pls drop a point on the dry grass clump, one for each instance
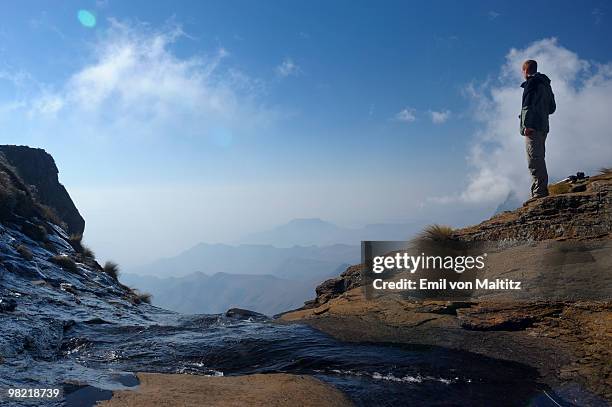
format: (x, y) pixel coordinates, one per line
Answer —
(76, 241)
(87, 252)
(140, 298)
(64, 262)
(24, 252)
(50, 215)
(436, 233)
(112, 269)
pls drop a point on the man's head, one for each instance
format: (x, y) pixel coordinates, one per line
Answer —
(529, 68)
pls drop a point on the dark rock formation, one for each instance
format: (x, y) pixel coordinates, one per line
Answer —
(333, 287)
(244, 314)
(7, 305)
(38, 170)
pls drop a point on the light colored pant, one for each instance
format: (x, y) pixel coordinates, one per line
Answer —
(536, 153)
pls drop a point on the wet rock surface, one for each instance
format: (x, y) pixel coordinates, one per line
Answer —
(245, 314)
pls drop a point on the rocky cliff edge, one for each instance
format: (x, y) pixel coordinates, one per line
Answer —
(37, 169)
(559, 327)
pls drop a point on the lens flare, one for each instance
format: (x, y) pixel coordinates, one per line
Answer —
(86, 18)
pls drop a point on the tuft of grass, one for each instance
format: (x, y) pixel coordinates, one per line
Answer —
(436, 233)
(112, 269)
(24, 252)
(64, 262)
(559, 188)
(75, 241)
(141, 297)
(87, 252)
(50, 215)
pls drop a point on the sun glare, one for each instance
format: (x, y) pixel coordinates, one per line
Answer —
(86, 18)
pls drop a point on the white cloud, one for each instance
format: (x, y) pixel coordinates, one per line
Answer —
(134, 85)
(439, 117)
(579, 139)
(288, 68)
(407, 115)
(493, 15)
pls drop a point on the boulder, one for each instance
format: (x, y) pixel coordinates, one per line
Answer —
(7, 305)
(244, 314)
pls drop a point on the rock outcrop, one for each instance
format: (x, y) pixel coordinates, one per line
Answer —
(349, 279)
(561, 323)
(585, 214)
(37, 169)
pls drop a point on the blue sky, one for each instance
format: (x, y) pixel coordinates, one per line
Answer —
(220, 118)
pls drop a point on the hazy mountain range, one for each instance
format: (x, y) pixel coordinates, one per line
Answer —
(200, 293)
(269, 272)
(298, 262)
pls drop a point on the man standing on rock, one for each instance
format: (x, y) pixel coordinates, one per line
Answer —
(538, 103)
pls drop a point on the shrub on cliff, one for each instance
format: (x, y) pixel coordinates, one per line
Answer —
(112, 269)
(50, 215)
(87, 252)
(139, 297)
(436, 233)
(76, 241)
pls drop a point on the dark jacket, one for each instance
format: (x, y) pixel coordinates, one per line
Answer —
(538, 103)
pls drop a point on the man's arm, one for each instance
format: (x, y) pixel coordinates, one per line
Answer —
(528, 110)
(553, 106)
